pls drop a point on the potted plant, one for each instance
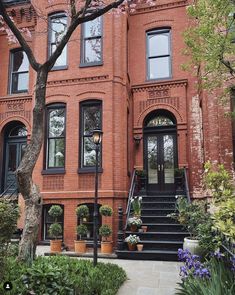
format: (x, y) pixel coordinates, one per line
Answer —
(106, 210)
(132, 240)
(55, 229)
(136, 205)
(80, 245)
(106, 246)
(140, 247)
(105, 231)
(191, 216)
(82, 212)
(134, 223)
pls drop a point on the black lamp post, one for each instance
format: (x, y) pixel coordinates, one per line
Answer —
(97, 137)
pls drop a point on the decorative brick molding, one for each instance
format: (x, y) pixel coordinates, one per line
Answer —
(174, 4)
(144, 104)
(77, 80)
(16, 106)
(157, 86)
(53, 182)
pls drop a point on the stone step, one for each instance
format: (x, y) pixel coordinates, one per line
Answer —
(157, 219)
(172, 227)
(157, 205)
(161, 255)
(156, 212)
(160, 235)
(161, 245)
(160, 198)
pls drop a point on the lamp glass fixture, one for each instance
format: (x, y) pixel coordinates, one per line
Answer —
(97, 136)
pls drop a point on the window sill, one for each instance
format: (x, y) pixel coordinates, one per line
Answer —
(89, 170)
(53, 171)
(159, 79)
(59, 68)
(92, 64)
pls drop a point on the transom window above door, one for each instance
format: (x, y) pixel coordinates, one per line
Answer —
(158, 54)
(159, 121)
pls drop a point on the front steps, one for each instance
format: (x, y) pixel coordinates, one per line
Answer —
(164, 235)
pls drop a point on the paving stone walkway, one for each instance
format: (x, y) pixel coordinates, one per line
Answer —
(144, 277)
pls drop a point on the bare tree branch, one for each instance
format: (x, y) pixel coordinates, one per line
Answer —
(35, 65)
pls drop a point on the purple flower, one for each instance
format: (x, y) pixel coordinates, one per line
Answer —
(183, 255)
(205, 273)
(217, 255)
(183, 271)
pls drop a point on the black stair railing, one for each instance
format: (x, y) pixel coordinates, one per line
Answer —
(186, 185)
(130, 196)
(10, 191)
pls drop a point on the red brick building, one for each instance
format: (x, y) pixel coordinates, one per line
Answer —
(123, 74)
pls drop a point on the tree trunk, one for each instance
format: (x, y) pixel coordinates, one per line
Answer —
(29, 190)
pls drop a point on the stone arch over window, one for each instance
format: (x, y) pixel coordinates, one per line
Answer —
(47, 220)
(89, 222)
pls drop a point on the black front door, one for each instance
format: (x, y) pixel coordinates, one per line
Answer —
(160, 161)
(14, 153)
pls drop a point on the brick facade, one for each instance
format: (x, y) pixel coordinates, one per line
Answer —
(203, 132)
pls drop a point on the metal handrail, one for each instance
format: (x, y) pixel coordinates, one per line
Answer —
(130, 195)
(14, 182)
(186, 185)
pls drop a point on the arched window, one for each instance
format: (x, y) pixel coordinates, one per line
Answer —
(18, 131)
(57, 29)
(48, 220)
(90, 220)
(160, 121)
(158, 54)
(90, 119)
(55, 134)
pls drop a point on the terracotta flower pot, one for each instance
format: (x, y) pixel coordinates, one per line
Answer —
(80, 246)
(140, 247)
(131, 247)
(144, 227)
(107, 247)
(55, 246)
(133, 228)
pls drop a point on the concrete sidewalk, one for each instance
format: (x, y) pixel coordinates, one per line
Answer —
(144, 277)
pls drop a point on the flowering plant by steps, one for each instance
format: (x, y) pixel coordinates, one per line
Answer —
(134, 221)
(132, 239)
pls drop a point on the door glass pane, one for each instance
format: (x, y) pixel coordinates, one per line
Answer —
(169, 165)
(152, 160)
(12, 158)
(23, 147)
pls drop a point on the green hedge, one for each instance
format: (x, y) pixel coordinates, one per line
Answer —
(59, 275)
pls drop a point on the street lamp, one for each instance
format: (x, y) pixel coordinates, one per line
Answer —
(97, 137)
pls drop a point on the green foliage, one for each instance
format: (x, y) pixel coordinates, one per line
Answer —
(82, 211)
(219, 181)
(63, 276)
(55, 211)
(105, 231)
(198, 222)
(141, 173)
(209, 41)
(55, 230)
(136, 205)
(106, 210)
(221, 281)
(82, 230)
(9, 214)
